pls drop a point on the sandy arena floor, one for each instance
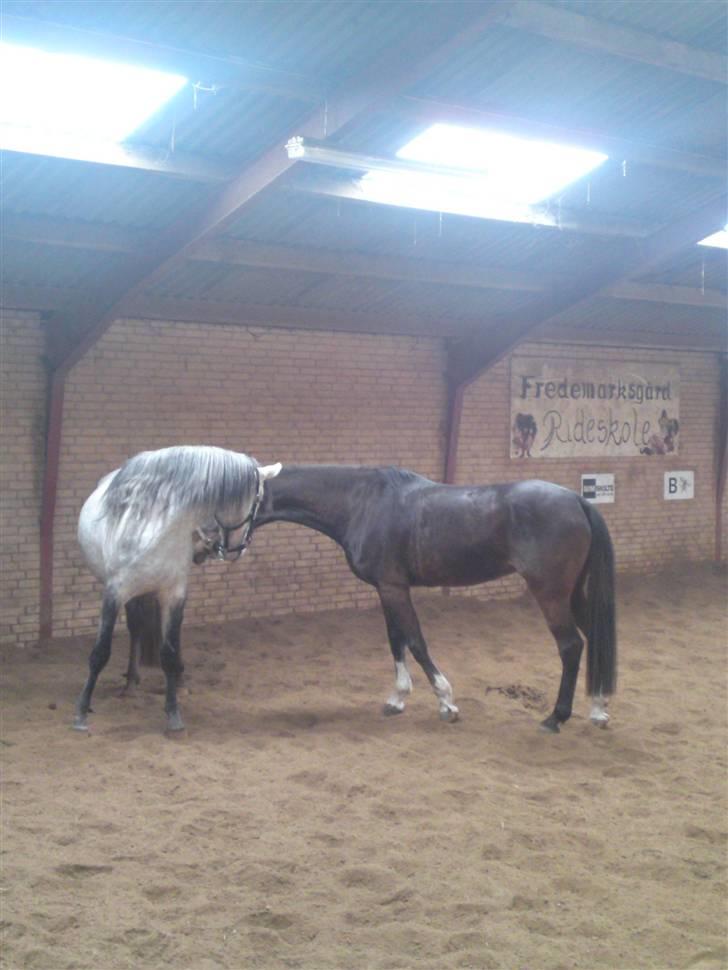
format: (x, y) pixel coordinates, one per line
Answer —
(294, 826)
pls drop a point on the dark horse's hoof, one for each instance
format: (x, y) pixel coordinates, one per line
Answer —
(550, 725)
(175, 725)
(390, 710)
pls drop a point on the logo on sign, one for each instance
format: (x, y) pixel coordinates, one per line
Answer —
(679, 485)
(597, 488)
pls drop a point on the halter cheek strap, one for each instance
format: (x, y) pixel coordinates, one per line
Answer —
(221, 547)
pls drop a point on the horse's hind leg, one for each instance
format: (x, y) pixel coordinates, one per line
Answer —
(98, 659)
(557, 610)
(404, 631)
(171, 656)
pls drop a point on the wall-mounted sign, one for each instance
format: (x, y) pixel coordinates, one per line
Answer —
(679, 485)
(597, 488)
(575, 408)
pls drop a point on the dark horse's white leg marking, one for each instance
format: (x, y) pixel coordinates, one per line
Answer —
(403, 629)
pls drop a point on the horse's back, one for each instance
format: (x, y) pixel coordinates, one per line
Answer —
(463, 535)
(134, 557)
(93, 528)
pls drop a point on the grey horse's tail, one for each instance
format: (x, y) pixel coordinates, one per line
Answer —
(594, 607)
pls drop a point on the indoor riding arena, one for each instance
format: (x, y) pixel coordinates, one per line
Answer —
(444, 285)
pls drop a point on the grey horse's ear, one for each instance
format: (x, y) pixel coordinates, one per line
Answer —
(269, 471)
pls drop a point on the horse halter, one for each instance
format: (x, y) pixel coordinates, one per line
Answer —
(221, 547)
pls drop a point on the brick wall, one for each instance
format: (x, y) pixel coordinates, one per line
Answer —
(648, 532)
(294, 396)
(22, 430)
(298, 396)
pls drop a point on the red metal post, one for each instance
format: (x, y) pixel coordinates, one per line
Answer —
(721, 454)
(456, 393)
(56, 388)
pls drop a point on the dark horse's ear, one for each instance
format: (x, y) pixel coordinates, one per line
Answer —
(269, 471)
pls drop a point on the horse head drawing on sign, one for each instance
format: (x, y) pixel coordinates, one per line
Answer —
(144, 525)
(664, 441)
(524, 434)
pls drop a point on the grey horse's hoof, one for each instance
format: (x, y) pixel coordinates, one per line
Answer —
(449, 714)
(79, 724)
(391, 710)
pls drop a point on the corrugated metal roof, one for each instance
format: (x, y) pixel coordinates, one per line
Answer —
(700, 267)
(514, 71)
(96, 193)
(702, 24)
(330, 40)
(233, 125)
(38, 265)
(323, 39)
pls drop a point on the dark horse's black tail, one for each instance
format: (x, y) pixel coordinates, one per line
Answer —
(594, 607)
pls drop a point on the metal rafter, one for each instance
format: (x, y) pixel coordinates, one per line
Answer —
(227, 251)
(503, 332)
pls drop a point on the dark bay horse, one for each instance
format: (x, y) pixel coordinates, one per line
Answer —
(400, 530)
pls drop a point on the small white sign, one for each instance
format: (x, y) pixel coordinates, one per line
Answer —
(597, 488)
(679, 485)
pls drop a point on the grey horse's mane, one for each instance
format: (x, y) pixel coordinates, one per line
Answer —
(183, 477)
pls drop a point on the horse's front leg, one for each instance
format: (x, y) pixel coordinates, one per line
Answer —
(98, 659)
(135, 625)
(403, 629)
(172, 607)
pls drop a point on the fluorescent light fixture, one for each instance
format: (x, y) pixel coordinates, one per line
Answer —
(467, 171)
(74, 95)
(519, 170)
(719, 240)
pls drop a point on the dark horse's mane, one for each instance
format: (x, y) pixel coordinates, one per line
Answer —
(181, 477)
(401, 476)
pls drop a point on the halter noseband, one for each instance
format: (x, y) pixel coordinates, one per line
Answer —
(221, 547)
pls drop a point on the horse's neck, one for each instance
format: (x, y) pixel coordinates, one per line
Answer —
(316, 496)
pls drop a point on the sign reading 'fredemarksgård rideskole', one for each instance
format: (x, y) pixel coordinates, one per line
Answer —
(574, 409)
